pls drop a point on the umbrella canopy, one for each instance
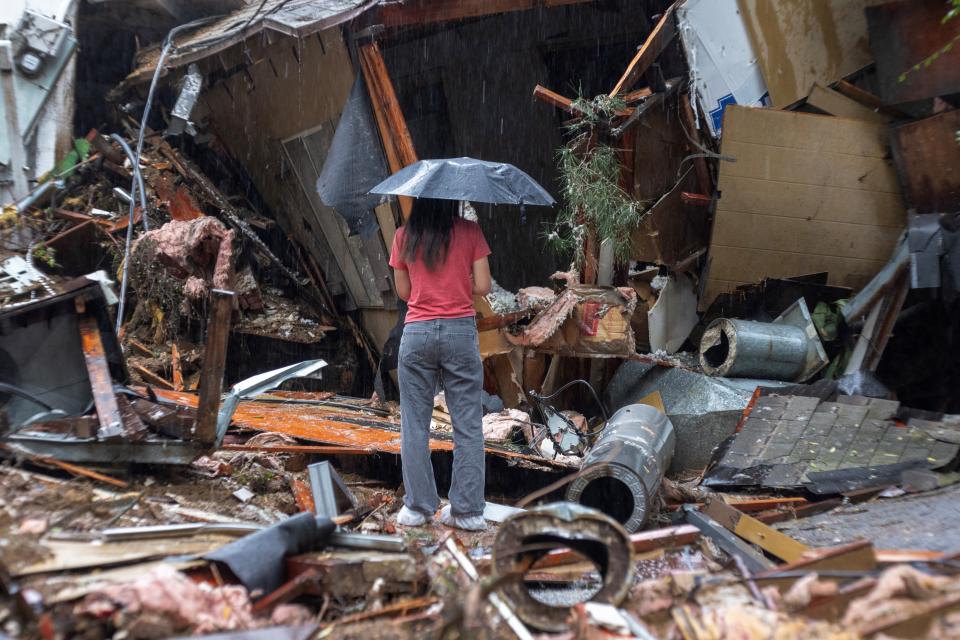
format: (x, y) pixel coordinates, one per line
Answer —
(465, 179)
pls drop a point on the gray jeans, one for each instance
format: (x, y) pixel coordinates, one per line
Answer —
(429, 350)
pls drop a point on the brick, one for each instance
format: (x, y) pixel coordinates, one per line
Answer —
(859, 401)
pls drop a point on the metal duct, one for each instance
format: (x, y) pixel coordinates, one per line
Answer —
(788, 348)
(743, 348)
(621, 474)
(526, 537)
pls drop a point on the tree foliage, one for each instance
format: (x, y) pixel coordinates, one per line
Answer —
(590, 183)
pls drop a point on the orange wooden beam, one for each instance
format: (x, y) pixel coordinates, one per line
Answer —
(656, 42)
(397, 143)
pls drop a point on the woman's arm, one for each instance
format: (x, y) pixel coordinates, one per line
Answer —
(481, 277)
(402, 279)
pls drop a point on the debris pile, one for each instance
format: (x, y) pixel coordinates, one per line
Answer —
(730, 411)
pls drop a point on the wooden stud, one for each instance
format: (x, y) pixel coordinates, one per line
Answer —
(397, 142)
(214, 360)
(101, 382)
(151, 378)
(656, 42)
(177, 367)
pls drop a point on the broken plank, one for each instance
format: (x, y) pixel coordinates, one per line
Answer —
(150, 377)
(856, 556)
(302, 495)
(388, 227)
(74, 469)
(177, 367)
(867, 99)
(914, 48)
(752, 559)
(337, 426)
(927, 158)
(397, 142)
(837, 104)
(101, 382)
(752, 530)
(143, 349)
(655, 44)
(214, 361)
(554, 99)
(499, 321)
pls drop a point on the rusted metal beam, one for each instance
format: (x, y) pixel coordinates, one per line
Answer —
(655, 44)
(214, 361)
(394, 134)
(101, 382)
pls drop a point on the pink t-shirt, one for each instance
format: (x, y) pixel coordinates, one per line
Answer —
(447, 291)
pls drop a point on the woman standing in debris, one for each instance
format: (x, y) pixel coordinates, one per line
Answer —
(439, 263)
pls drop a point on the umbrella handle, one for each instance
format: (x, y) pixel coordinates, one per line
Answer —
(523, 212)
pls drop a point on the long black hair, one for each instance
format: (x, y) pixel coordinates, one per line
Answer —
(427, 231)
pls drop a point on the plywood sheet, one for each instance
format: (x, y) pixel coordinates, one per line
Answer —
(802, 42)
(928, 159)
(837, 104)
(806, 193)
(903, 34)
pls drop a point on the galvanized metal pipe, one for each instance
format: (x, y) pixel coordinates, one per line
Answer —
(622, 473)
(748, 349)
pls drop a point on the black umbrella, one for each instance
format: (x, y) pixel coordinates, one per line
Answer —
(466, 179)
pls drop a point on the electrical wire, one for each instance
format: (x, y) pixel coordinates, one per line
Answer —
(596, 398)
(135, 189)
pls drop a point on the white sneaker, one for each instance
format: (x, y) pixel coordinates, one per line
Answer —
(410, 518)
(471, 523)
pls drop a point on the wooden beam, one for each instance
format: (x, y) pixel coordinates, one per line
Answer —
(388, 226)
(419, 12)
(554, 99)
(152, 378)
(101, 383)
(752, 530)
(868, 99)
(177, 367)
(656, 42)
(74, 469)
(564, 103)
(214, 360)
(394, 134)
(837, 104)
